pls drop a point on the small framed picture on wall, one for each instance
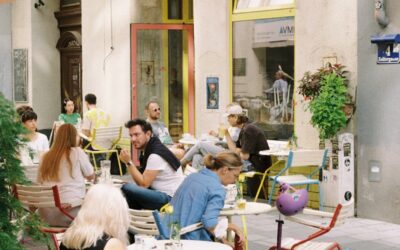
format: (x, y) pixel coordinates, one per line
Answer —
(212, 83)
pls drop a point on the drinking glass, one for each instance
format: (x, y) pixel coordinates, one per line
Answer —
(175, 230)
(105, 170)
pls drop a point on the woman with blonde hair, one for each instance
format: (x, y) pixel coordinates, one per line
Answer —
(65, 165)
(102, 222)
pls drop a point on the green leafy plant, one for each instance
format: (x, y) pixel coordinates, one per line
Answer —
(328, 96)
(13, 218)
(310, 84)
(327, 108)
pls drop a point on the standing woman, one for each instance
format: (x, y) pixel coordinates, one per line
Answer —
(70, 116)
(65, 165)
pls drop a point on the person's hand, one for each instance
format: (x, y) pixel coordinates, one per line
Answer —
(238, 233)
(180, 145)
(224, 131)
(66, 206)
(213, 133)
(125, 156)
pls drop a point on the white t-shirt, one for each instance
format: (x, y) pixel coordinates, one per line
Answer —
(40, 144)
(234, 133)
(167, 180)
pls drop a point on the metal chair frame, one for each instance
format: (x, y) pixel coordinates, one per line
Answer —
(40, 196)
(104, 141)
(301, 158)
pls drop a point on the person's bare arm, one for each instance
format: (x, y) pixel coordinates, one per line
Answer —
(86, 132)
(143, 180)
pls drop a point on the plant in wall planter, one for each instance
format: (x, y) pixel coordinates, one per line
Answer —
(327, 93)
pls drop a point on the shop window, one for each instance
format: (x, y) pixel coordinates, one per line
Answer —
(261, 48)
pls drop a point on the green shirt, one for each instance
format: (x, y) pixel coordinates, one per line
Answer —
(71, 119)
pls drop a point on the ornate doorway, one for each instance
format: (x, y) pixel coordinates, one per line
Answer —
(70, 48)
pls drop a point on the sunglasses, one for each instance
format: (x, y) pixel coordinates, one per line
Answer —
(157, 109)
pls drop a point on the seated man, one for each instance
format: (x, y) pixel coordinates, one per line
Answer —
(251, 141)
(201, 198)
(198, 151)
(153, 115)
(161, 169)
(94, 117)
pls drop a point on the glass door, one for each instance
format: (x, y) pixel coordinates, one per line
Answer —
(162, 70)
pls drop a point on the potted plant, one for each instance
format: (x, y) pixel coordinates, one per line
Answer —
(327, 93)
(13, 218)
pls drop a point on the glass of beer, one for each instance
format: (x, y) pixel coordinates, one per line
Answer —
(221, 131)
(241, 204)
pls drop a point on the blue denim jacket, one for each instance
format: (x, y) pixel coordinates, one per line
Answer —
(200, 198)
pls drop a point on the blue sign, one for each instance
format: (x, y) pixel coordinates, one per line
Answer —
(388, 48)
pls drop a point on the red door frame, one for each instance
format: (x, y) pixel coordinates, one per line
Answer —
(191, 96)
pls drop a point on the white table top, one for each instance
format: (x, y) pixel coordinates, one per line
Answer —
(251, 208)
(188, 141)
(275, 152)
(193, 141)
(190, 245)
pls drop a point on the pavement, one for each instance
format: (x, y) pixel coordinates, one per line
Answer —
(354, 234)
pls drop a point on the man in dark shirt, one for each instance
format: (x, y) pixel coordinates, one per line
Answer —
(251, 141)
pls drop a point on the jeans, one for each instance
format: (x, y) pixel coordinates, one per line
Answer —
(198, 151)
(144, 198)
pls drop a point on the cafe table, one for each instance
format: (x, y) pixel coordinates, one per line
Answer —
(250, 208)
(187, 245)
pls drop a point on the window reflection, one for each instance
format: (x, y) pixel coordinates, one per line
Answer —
(263, 61)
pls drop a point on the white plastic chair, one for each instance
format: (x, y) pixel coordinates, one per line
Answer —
(142, 222)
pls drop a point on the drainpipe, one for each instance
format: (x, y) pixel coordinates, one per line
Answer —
(380, 13)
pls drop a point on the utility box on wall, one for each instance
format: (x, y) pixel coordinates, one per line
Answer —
(338, 178)
(388, 48)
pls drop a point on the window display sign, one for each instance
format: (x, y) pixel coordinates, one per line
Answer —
(273, 30)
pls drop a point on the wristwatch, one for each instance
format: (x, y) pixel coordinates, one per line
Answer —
(129, 163)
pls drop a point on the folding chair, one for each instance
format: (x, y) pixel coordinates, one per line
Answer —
(142, 222)
(301, 158)
(104, 140)
(342, 212)
(38, 196)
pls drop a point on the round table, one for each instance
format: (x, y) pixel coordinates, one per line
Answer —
(190, 245)
(251, 208)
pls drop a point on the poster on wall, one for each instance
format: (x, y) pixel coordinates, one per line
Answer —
(212, 92)
(20, 57)
(147, 72)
